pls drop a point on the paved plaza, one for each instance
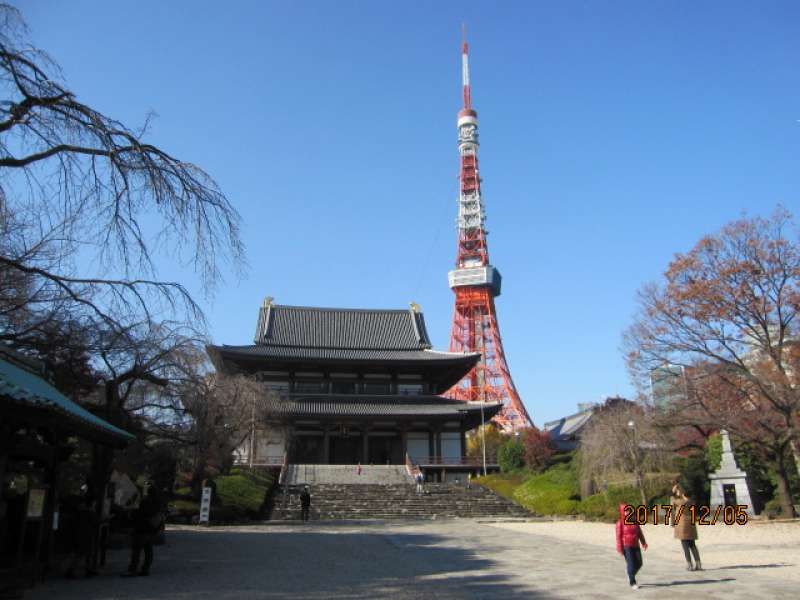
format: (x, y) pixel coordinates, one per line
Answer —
(430, 559)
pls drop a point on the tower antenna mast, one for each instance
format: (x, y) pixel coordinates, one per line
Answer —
(476, 283)
(465, 85)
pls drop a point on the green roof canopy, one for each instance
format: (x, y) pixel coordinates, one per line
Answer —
(20, 386)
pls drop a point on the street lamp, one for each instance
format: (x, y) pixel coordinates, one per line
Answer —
(635, 454)
(483, 438)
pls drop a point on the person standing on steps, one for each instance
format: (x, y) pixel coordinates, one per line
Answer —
(305, 503)
(420, 478)
(628, 538)
(685, 529)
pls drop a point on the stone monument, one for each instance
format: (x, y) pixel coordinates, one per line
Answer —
(729, 483)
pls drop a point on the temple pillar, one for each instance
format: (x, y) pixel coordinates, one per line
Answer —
(438, 437)
(431, 444)
(463, 443)
(365, 445)
(404, 442)
(326, 444)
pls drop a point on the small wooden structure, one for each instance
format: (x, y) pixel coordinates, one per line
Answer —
(36, 421)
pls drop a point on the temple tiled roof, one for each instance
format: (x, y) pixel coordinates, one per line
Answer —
(348, 354)
(341, 328)
(315, 339)
(343, 405)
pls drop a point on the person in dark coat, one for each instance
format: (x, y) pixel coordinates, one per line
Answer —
(147, 521)
(628, 539)
(305, 503)
(84, 535)
(685, 530)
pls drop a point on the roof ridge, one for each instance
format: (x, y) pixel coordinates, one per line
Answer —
(340, 309)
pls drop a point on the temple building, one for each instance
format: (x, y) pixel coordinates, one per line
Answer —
(348, 386)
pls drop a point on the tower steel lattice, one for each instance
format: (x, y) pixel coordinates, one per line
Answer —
(476, 283)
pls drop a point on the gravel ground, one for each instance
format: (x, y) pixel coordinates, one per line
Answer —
(759, 546)
(404, 560)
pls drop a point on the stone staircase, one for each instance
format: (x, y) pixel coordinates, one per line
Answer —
(314, 475)
(395, 501)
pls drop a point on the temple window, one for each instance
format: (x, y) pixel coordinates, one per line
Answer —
(343, 387)
(409, 389)
(310, 387)
(280, 387)
(375, 387)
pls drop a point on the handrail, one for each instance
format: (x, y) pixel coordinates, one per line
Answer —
(284, 466)
(411, 468)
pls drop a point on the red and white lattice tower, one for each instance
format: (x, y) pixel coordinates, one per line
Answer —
(476, 283)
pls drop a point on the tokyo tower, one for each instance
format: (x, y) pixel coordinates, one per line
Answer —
(476, 283)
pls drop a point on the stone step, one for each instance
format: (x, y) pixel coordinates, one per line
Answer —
(372, 501)
(311, 474)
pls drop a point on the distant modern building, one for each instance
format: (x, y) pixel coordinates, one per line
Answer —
(354, 386)
(668, 386)
(565, 432)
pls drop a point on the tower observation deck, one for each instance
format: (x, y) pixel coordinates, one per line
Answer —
(476, 283)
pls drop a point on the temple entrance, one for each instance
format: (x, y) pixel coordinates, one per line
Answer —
(307, 449)
(345, 450)
(385, 450)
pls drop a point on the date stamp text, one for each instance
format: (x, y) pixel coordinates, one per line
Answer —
(668, 514)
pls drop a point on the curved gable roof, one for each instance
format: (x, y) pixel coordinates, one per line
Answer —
(341, 328)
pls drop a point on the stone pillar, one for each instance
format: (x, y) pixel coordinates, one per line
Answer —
(729, 475)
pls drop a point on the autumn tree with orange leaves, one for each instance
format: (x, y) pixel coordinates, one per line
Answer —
(726, 312)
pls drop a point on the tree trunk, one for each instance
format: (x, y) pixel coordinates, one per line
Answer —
(795, 454)
(198, 475)
(784, 491)
(640, 485)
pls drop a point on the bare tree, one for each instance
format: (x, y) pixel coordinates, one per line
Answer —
(223, 409)
(725, 312)
(79, 187)
(622, 439)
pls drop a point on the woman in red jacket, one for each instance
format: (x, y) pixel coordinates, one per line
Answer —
(628, 538)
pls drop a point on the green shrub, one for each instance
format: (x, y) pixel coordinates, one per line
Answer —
(511, 456)
(566, 507)
(594, 506)
(694, 470)
(623, 494)
(185, 506)
(550, 493)
(241, 494)
(503, 484)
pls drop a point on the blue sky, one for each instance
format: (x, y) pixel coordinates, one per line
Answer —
(613, 135)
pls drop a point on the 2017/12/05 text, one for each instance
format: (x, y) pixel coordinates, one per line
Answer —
(735, 514)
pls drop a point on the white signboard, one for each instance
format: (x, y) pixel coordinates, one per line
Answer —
(205, 505)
